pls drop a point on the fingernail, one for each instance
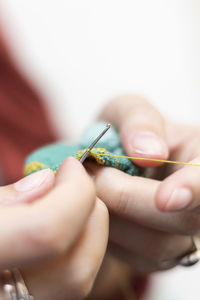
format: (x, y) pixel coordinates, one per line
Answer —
(32, 181)
(147, 142)
(180, 198)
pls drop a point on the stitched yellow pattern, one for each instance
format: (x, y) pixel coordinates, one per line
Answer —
(117, 162)
(95, 153)
(36, 165)
(33, 166)
(53, 155)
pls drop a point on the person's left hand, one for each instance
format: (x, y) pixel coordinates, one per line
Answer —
(55, 230)
(141, 234)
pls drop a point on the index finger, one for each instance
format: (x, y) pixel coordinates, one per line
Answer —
(133, 198)
(49, 226)
(141, 126)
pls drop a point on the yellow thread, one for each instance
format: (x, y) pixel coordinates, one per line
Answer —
(153, 159)
(33, 166)
(95, 155)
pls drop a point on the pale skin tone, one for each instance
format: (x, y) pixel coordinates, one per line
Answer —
(54, 230)
(147, 230)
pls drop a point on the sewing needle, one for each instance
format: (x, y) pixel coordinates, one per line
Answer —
(85, 155)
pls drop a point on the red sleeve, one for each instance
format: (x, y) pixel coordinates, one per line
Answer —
(24, 125)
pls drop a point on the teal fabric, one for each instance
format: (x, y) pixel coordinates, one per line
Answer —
(110, 141)
(51, 156)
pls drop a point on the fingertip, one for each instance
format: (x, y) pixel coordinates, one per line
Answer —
(148, 143)
(69, 162)
(172, 197)
(69, 168)
(74, 173)
(145, 145)
(28, 189)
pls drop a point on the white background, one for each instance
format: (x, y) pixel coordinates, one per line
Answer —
(81, 53)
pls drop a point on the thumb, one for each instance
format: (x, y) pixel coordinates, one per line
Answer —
(28, 188)
(141, 127)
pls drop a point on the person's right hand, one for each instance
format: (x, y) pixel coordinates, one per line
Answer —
(55, 230)
(151, 219)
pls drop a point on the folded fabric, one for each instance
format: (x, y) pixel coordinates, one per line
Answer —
(52, 156)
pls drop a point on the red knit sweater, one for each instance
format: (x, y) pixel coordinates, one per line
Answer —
(24, 124)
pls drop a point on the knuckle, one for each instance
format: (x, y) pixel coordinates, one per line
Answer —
(122, 203)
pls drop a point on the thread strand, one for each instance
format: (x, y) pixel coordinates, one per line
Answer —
(153, 159)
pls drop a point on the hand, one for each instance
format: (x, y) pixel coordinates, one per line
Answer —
(151, 219)
(55, 231)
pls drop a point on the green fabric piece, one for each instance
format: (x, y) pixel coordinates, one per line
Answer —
(110, 141)
(52, 156)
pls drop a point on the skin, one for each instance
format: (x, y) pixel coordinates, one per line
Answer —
(35, 235)
(146, 231)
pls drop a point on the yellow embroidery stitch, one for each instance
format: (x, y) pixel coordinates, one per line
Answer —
(33, 166)
(117, 159)
(95, 155)
(154, 159)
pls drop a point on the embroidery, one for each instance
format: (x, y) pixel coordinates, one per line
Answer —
(109, 152)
